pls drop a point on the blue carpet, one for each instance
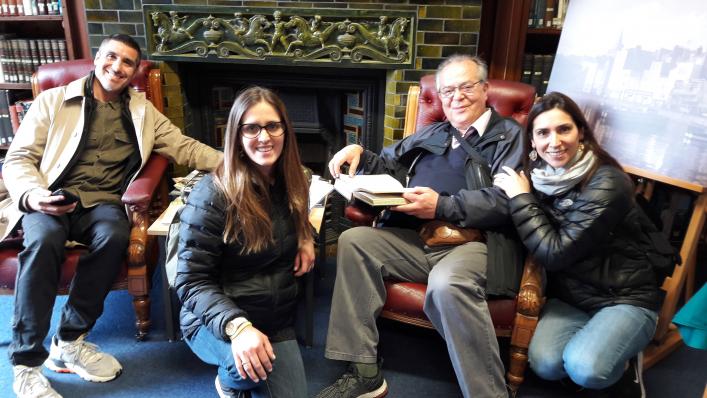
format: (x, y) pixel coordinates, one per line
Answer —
(416, 361)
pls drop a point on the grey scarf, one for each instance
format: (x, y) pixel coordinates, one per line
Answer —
(553, 182)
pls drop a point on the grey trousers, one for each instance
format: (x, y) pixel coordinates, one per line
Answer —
(455, 302)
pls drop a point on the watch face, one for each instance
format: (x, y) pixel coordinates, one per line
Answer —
(230, 328)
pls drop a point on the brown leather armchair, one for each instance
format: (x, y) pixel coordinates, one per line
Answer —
(512, 317)
(149, 191)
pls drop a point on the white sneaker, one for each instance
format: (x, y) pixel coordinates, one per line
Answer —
(29, 382)
(82, 358)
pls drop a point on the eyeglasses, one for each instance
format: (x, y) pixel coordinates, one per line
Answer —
(253, 130)
(464, 88)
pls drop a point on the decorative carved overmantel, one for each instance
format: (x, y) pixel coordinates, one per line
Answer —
(281, 36)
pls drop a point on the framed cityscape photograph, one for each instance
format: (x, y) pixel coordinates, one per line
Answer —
(639, 71)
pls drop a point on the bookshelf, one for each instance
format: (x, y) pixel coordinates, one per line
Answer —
(27, 41)
(506, 37)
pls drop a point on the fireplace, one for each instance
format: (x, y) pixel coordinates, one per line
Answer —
(329, 108)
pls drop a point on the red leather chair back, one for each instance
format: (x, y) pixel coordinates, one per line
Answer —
(62, 73)
(510, 99)
(50, 76)
(405, 300)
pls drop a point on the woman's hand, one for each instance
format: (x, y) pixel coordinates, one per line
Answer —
(253, 354)
(512, 183)
(304, 261)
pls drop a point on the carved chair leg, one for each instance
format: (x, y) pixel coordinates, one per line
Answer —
(142, 313)
(516, 371)
(520, 340)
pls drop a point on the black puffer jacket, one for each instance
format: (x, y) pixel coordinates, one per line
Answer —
(483, 207)
(216, 283)
(592, 243)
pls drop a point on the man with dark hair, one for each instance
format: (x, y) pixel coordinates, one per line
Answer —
(439, 162)
(91, 138)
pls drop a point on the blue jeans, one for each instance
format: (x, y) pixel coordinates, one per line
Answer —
(590, 348)
(287, 379)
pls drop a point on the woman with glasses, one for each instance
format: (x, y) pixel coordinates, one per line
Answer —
(574, 209)
(244, 241)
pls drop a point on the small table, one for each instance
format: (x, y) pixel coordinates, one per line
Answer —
(161, 227)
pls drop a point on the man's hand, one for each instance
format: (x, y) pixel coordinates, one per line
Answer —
(304, 261)
(41, 200)
(350, 154)
(253, 354)
(512, 183)
(423, 203)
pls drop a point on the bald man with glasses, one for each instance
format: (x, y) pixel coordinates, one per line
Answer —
(449, 166)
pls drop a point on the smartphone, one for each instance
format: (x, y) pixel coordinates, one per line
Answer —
(69, 197)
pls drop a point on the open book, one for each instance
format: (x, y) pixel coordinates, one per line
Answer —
(374, 189)
(318, 190)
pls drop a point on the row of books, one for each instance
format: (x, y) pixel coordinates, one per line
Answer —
(10, 8)
(547, 13)
(20, 58)
(12, 111)
(536, 71)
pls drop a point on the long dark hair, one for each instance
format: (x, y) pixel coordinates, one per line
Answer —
(245, 187)
(555, 100)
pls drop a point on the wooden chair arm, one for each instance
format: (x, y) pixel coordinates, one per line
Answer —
(411, 108)
(142, 189)
(148, 186)
(153, 91)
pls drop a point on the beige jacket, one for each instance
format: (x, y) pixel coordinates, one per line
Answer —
(50, 134)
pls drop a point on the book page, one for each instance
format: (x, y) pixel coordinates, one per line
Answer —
(373, 183)
(318, 189)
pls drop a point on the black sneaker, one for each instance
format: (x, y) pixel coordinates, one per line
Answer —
(630, 385)
(353, 385)
(224, 392)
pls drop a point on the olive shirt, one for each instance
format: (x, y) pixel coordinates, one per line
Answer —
(99, 173)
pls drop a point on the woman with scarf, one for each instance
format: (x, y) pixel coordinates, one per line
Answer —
(578, 217)
(244, 241)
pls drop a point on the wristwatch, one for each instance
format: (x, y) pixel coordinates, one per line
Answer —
(232, 326)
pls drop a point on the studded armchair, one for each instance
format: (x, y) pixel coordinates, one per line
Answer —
(148, 191)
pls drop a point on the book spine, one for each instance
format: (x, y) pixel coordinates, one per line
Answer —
(537, 78)
(547, 69)
(527, 71)
(4, 78)
(549, 12)
(54, 45)
(53, 6)
(5, 123)
(34, 54)
(12, 61)
(531, 14)
(47, 56)
(14, 118)
(4, 9)
(63, 56)
(26, 60)
(12, 5)
(540, 14)
(27, 5)
(22, 108)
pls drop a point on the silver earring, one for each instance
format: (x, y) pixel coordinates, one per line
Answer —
(533, 155)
